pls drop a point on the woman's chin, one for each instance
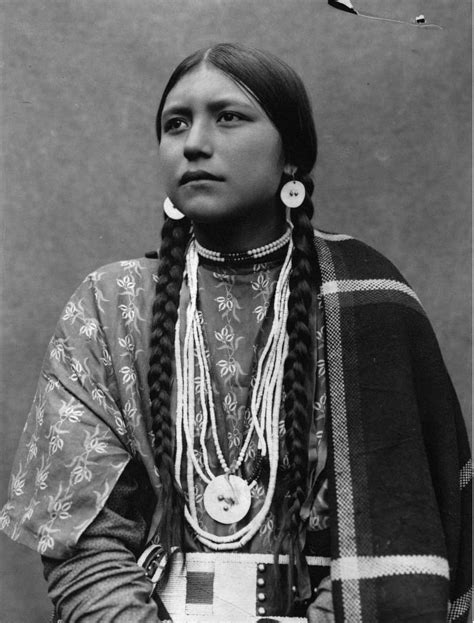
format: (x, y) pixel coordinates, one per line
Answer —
(206, 212)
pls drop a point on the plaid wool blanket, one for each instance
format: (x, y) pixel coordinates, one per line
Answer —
(400, 477)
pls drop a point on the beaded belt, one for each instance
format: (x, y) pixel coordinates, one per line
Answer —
(225, 588)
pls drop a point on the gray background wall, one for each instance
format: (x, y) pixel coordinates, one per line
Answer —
(80, 186)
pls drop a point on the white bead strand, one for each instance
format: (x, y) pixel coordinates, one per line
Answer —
(241, 256)
(265, 402)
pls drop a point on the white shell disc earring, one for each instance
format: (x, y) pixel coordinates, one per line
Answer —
(292, 194)
(171, 211)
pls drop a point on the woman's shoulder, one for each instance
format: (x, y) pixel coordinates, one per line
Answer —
(133, 277)
(137, 269)
(359, 274)
(120, 289)
(348, 258)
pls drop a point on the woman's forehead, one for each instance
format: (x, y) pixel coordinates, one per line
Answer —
(206, 83)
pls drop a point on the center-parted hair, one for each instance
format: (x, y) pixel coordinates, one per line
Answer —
(282, 95)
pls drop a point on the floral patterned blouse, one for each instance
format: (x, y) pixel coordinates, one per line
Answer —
(91, 413)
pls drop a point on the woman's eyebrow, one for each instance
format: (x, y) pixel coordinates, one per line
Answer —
(213, 105)
(229, 102)
(177, 109)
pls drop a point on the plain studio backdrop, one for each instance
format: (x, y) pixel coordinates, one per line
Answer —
(80, 179)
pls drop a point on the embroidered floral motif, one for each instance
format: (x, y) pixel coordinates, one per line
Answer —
(18, 481)
(4, 515)
(42, 473)
(80, 465)
(128, 344)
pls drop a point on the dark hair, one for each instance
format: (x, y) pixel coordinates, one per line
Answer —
(283, 97)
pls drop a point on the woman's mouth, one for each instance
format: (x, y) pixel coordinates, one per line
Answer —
(198, 176)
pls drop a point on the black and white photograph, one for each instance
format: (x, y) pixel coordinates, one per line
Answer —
(236, 279)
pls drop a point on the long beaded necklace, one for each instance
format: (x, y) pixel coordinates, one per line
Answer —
(227, 497)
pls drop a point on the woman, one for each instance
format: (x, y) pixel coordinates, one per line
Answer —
(268, 399)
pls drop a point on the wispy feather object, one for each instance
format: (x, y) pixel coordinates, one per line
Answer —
(348, 7)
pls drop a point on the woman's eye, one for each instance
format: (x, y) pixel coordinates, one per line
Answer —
(174, 125)
(229, 117)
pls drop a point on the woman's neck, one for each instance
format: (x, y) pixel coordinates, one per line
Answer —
(234, 237)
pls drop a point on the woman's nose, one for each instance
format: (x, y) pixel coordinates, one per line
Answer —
(198, 142)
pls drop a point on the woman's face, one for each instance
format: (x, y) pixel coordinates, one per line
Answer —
(222, 157)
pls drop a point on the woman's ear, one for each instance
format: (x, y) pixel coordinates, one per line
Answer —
(289, 169)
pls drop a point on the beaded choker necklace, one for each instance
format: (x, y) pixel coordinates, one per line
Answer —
(227, 497)
(242, 256)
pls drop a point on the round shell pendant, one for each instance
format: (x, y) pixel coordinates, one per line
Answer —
(227, 499)
(292, 194)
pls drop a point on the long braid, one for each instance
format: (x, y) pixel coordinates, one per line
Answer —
(175, 236)
(297, 403)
